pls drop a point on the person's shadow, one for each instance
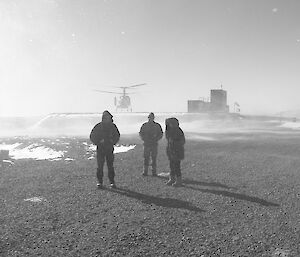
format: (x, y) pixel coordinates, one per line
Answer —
(207, 184)
(164, 202)
(189, 183)
(239, 196)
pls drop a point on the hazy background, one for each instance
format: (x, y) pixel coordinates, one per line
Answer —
(54, 52)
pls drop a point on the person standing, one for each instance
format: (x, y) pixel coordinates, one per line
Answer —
(175, 150)
(105, 135)
(150, 132)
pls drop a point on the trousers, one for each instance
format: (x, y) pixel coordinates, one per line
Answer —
(108, 156)
(150, 150)
(175, 168)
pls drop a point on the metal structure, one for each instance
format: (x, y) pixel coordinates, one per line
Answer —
(124, 102)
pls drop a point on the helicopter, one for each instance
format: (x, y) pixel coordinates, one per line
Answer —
(123, 103)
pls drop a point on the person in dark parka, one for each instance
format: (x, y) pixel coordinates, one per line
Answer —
(105, 135)
(175, 150)
(150, 132)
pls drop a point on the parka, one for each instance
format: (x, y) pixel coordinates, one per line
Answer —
(175, 138)
(105, 135)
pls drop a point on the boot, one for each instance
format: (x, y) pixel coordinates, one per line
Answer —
(145, 172)
(113, 185)
(178, 182)
(171, 180)
(100, 185)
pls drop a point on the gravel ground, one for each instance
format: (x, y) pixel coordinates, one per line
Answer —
(240, 198)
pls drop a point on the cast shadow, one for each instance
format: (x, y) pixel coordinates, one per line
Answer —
(207, 184)
(188, 182)
(201, 183)
(240, 197)
(163, 202)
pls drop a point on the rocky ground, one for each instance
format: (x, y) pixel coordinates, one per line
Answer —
(240, 198)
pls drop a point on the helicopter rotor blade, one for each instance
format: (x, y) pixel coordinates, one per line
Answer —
(137, 85)
(103, 91)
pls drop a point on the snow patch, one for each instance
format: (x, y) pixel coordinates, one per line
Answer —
(33, 151)
(123, 148)
(35, 199)
(163, 174)
(8, 161)
(117, 148)
(9, 147)
(39, 152)
(69, 159)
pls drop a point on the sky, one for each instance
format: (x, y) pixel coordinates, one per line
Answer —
(54, 53)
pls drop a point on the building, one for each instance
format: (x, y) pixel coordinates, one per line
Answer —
(195, 106)
(218, 100)
(217, 103)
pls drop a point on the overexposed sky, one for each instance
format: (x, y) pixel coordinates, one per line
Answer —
(53, 53)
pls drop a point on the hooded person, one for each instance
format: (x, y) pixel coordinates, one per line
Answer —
(175, 150)
(105, 135)
(150, 132)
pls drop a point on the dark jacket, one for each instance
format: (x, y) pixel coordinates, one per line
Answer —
(151, 132)
(176, 140)
(105, 135)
